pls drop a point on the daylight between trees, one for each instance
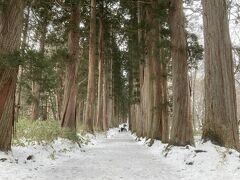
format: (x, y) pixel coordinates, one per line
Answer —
(95, 64)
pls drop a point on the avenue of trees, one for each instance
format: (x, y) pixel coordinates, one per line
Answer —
(94, 64)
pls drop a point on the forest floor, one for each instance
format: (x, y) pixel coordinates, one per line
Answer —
(115, 156)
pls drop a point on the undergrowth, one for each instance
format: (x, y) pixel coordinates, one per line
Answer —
(44, 132)
(197, 132)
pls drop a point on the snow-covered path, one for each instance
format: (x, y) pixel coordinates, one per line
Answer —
(118, 157)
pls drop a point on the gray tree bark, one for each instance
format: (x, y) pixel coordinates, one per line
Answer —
(69, 104)
(220, 124)
(181, 130)
(100, 74)
(91, 70)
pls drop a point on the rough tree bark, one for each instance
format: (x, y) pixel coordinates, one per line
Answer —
(110, 115)
(157, 122)
(193, 82)
(59, 93)
(11, 20)
(181, 130)
(134, 61)
(147, 72)
(130, 90)
(105, 97)
(35, 100)
(220, 124)
(165, 118)
(91, 70)
(100, 74)
(70, 84)
(140, 120)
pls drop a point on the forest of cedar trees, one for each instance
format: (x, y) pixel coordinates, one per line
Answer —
(90, 65)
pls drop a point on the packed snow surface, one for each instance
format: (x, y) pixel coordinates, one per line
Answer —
(117, 155)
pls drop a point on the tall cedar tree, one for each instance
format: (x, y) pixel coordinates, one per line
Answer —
(91, 70)
(101, 68)
(182, 130)
(11, 20)
(220, 124)
(70, 86)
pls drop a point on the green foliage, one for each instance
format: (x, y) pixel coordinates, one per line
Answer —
(163, 10)
(34, 64)
(197, 133)
(41, 69)
(13, 59)
(59, 57)
(43, 132)
(195, 51)
(52, 156)
(71, 2)
(37, 131)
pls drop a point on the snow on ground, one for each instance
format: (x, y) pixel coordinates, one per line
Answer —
(110, 156)
(203, 162)
(116, 155)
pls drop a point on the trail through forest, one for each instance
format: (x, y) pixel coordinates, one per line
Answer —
(117, 157)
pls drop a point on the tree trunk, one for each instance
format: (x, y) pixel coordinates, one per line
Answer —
(100, 74)
(10, 38)
(59, 94)
(181, 130)
(193, 79)
(134, 62)
(220, 124)
(45, 107)
(151, 87)
(18, 93)
(139, 117)
(105, 97)
(70, 84)
(147, 85)
(165, 119)
(35, 100)
(109, 89)
(53, 107)
(130, 91)
(20, 71)
(58, 99)
(157, 123)
(91, 70)
(80, 110)
(35, 84)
